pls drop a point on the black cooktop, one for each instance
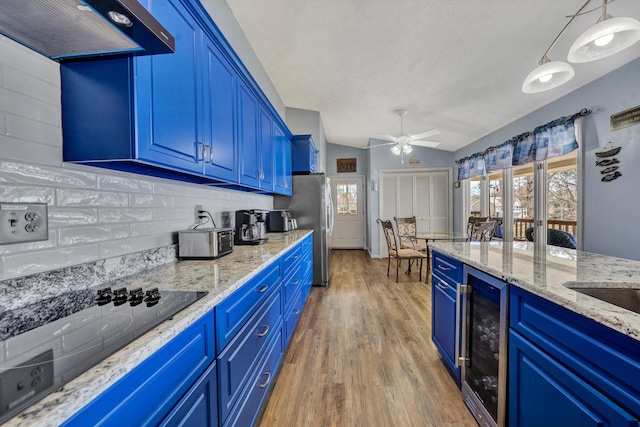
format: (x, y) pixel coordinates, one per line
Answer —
(46, 344)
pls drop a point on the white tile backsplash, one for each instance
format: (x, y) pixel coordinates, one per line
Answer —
(94, 213)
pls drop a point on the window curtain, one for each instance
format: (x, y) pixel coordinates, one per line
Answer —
(554, 139)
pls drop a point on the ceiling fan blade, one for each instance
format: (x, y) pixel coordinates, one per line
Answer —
(388, 138)
(429, 144)
(425, 134)
(378, 145)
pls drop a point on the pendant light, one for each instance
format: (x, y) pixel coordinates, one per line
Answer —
(608, 36)
(547, 75)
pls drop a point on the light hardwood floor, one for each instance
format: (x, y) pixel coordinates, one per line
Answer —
(362, 355)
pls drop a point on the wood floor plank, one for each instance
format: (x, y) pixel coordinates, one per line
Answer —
(362, 355)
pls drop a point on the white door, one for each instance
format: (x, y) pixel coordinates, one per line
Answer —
(348, 195)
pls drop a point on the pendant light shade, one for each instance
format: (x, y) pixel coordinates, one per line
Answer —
(396, 149)
(547, 75)
(608, 36)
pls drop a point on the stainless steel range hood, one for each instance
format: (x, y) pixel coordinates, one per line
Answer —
(63, 29)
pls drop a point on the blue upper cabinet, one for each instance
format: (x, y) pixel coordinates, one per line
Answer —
(196, 115)
(304, 154)
(169, 95)
(248, 145)
(282, 166)
(220, 116)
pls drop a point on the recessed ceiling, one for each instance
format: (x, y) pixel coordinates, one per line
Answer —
(456, 65)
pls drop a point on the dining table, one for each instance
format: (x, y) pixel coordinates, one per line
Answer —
(430, 236)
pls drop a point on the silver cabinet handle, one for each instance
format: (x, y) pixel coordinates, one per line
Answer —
(443, 268)
(263, 289)
(295, 282)
(264, 384)
(441, 286)
(209, 150)
(456, 355)
(296, 312)
(266, 331)
(201, 151)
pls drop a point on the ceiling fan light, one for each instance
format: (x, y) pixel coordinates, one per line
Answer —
(396, 150)
(548, 75)
(407, 149)
(608, 36)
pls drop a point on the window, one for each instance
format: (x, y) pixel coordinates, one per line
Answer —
(523, 200)
(562, 193)
(347, 198)
(475, 205)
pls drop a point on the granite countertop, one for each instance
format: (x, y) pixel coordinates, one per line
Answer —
(220, 277)
(545, 270)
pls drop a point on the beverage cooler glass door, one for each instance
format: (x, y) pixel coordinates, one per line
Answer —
(484, 366)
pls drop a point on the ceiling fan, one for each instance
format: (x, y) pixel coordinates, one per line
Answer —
(403, 144)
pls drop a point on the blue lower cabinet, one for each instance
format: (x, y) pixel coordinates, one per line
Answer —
(147, 394)
(546, 393)
(246, 412)
(292, 315)
(443, 321)
(239, 358)
(200, 406)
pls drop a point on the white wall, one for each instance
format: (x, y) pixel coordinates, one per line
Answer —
(610, 209)
(93, 213)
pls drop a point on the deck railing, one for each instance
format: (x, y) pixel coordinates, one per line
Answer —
(521, 224)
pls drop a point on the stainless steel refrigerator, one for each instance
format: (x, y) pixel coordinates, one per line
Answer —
(312, 207)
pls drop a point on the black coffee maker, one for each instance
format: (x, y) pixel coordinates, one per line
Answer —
(250, 227)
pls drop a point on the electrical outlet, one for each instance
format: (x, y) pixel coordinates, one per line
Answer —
(197, 214)
(23, 222)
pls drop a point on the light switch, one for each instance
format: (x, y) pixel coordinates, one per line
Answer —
(23, 222)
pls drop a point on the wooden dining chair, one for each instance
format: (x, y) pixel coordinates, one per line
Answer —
(397, 252)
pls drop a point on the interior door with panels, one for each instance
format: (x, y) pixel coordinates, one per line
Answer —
(424, 194)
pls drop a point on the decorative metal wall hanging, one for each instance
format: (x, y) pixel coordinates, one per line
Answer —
(606, 161)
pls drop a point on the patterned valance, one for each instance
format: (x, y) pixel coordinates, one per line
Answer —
(554, 139)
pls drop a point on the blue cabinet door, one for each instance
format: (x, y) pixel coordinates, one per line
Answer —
(542, 392)
(443, 322)
(266, 151)
(248, 137)
(168, 94)
(219, 116)
(199, 407)
(282, 148)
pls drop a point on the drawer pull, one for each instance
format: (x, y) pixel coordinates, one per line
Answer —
(264, 384)
(266, 331)
(443, 268)
(296, 312)
(264, 288)
(295, 282)
(441, 286)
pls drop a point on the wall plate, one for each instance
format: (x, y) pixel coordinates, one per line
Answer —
(23, 222)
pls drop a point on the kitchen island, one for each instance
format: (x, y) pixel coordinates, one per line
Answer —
(564, 357)
(550, 272)
(220, 278)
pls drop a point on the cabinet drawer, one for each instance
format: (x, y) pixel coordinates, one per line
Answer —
(292, 316)
(447, 267)
(606, 359)
(248, 407)
(238, 359)
(146, 395)
(199, 407)
(446, 284)
(291, 258)
(291, 285)
(234, 311)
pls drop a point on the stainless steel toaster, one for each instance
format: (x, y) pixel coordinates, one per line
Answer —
(205, 243)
